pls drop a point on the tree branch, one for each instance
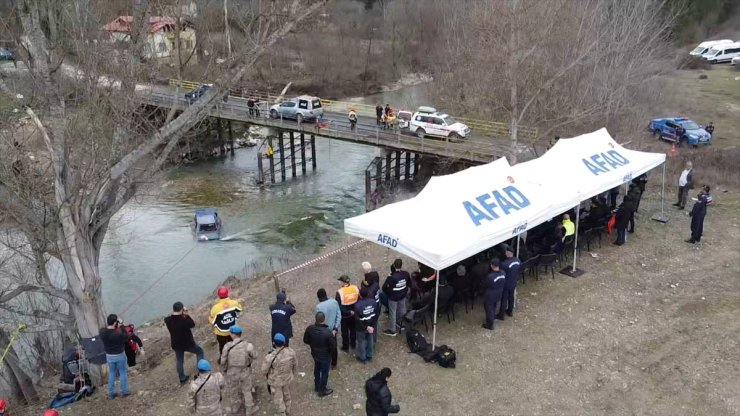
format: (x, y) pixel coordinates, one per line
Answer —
(6, 296)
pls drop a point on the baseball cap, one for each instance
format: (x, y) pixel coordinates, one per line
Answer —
(344, 278)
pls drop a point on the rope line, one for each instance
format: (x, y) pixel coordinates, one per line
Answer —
(322, 257)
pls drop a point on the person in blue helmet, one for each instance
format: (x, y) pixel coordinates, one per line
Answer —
(204, 397)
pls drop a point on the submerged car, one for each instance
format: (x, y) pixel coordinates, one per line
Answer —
(207, 224)
(667, 128)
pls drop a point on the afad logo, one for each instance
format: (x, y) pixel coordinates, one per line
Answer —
(510, 179)
(387, 240)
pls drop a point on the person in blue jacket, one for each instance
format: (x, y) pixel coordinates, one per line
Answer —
(280, 312)
(493, 288)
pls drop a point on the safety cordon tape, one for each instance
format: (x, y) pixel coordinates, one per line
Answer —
(322, 257)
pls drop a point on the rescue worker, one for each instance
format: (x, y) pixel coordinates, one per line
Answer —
(493, 286)
(279, 367)
(623, 214)
(372, 283)
(366, 317)
(396, 288)
(388, 111)
(236, 362)
(205, 391)
(697, 215)
(333, 315)
(280, 312)
(47, 412)
(568, 226)
(510, 266)
(352, 119)
(347, 296)
(223, 315)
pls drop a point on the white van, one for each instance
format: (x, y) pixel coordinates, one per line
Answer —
(704, 46)
(722, 53)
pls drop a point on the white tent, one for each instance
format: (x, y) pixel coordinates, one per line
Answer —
(456, 216)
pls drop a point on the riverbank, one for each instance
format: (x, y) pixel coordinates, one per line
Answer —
(651, 328)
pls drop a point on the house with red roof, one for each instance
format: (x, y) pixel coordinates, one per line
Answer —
(161, 35)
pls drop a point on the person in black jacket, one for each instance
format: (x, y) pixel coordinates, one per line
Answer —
(493, 287)
(133, 346)
(180, 325)
(280, 312)
(366, 317)
(510, 267)
(697, 215)
(396, 288)
(623, 215)
(114, 339)
(321, 340)
(379, 396)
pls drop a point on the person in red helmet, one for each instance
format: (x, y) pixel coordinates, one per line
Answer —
(3, 406)
(50, 412)
(223, 316)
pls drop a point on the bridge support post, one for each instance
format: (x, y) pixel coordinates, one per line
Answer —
(368, 190)
(231, 138)
(416, 165)
(272, 159)
(313, 152)
(388, 164)
(260, 171)
(292, 154)
(398, 165)
(378, 172)
(407, 166)
(303, 154)
(282, 156)
(220, 132)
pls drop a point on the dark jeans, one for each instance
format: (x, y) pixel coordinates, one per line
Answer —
(632, 223)
(320, 375)
(383, 301)
(349, 333)
(180, 359)
(334, 354)
(621, 235)
(683, 193)
(490, 306)
(507, 300)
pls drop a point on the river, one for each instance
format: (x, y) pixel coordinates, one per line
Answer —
(152, 236)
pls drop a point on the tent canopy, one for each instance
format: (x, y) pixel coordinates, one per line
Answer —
(456, 216)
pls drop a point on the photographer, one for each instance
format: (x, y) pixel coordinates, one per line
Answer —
(114, 339)
(180, 326)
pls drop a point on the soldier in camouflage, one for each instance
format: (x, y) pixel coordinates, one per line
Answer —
(236, 362)
(205, 391)
(279, 367)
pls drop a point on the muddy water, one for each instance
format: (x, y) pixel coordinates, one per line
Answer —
(154, 235)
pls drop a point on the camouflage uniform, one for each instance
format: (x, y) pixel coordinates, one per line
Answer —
(279, 367)
(207, 400)
(236, 360)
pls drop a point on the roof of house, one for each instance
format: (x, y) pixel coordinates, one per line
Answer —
(123, 24)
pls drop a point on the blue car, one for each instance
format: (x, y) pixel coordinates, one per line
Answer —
(196, 93)
(668, 129)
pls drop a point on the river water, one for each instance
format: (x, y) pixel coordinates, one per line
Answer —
(152, 236)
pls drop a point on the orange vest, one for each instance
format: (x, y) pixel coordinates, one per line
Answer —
(348, 295)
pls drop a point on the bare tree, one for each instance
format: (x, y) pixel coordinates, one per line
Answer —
(97, 143)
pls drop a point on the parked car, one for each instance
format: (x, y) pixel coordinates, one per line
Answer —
(722, 53)
(703, 47)
(666, 129)
(299, 109)
(735, 61)
(427, 121)
(196, 93)
(7, 55)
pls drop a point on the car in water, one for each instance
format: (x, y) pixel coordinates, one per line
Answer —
(427, 121)
(299, 108)
(197, 92)
(208, 224)
(667, 128)
(7, 55)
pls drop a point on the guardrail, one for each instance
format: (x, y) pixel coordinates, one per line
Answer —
(487, 128)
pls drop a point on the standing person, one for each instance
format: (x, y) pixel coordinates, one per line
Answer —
(236, 361)
(250, 106)
(280, 312)
(366, 317)
(333, 317)
(623, 215)
(114, 339)
(370, 274)
(224, 314)
(180, 326)
(680, 133)
(641, 183)
(379, 399)
(708, 195)
(388, 112)
(510, 266)
(493, 287)
(613, 194)
(372, 284)
(134, 345)
(378, 114)
(710, 128)
(347, 296)
(697, 215)
(204, 397)
(632, 199)
(279, 367)
(685, 183)
(396, 288)
(319, 338)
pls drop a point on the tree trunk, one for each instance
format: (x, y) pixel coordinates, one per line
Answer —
(18, 375)
(513, 81)
(514, 125)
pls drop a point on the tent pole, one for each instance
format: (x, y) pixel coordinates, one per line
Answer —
(575, 240)
(662, 193)
(436, 305)
(517, 245)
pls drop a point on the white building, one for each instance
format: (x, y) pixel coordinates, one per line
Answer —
(161, 39)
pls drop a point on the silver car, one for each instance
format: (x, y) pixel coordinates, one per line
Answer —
(299, 109)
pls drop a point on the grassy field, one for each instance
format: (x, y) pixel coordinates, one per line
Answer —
(716, 99)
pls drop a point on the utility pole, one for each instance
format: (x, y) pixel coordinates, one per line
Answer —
(226, 26)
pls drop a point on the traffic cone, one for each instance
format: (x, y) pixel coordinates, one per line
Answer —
(673, 149)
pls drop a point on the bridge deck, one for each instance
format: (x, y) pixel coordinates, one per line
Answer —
(475, 148)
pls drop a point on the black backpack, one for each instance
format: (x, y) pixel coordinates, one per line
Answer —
(419, 345)
(446, 356)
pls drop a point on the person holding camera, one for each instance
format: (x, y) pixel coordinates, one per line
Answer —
(114, 339)
(180, 325)
(280, 312)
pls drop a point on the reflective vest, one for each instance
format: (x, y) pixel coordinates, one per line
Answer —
(348, 295)
(223, 315)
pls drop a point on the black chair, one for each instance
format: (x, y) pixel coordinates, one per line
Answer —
(448, 309)
(464, 296)
(420, 316)
(530, 266)
(586, 238)
(568, 245)
(598, 232)
(548, 261)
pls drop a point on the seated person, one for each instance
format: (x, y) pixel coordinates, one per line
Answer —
(597, 214)
(568, 226)
(460, 280)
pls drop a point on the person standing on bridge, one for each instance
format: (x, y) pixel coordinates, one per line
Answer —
(378, 114)
(250, 105)
(223, 316)
(352, 119)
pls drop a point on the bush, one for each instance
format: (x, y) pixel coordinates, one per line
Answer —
(693, 62)
(715, 167)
